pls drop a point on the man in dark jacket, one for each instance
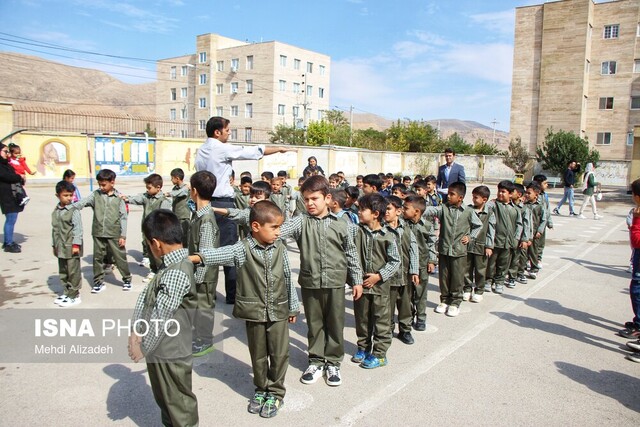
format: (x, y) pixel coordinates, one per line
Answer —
(569, 179)
(449, 173)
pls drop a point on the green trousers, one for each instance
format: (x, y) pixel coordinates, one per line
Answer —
(154, 263)
(171, 385)
(268, 344)
(205, 311)
(541, 243)
(109, 245)
(476, 273)
(373, 324)
(324, 310)
(534, 253)
(498, 265)
(451, 272)
(400, 298)
(419, 296)
(70, 275)
(517, 263)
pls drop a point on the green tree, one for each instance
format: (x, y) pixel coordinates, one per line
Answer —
(414, 136)
(458, 144)
(336, 118)
(283, 134)
(149, 131)
(319, 133)
(370, 138)
(517, 156)
(484, 149)
(559, 148)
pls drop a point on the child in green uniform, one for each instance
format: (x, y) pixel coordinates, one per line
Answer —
(168, 302)
(538, 225)
(179, 197)
(278, 197)
(544, 199)
(266, 299)
(66, 237)
(519, 253)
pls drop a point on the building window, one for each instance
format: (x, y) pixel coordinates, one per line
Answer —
(202, 124)
(183, 133)
(636, 66)
(234, 111)
(202, 102)
(250, 62)
(608, 67)
(220, 65)
(172, 73)
(202, 57)
(322, 70)
(320, 92)
(249, 86)
(220, 111)
(248, 111)
(309, 114)
(638, 30)
(309, 67)
(183, 70)
(234, 87)
(172, 114)
(630, 138)
(603, 138)
(183, 92)
(283, 61)
(248, 133)
(309, 90)
(606, 103)
(234, 65)
(296, 88)
(203, 79)
(296, 64)
(234, 135)
(183, 113)
(611, 31)
(282, 85)
(635, 102)
(173, 93)
(296, 111)
(320, 115)
(219, 89)
(281, 109)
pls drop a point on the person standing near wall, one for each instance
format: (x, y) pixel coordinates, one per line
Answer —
(569, 181)
(449, 173)
(216, 156)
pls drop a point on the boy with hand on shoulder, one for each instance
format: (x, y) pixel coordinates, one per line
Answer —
(407, 275)
(265, 298)
(169, 300)
(337, 206)
(327, 256)
(380, 260)
(179, 197)
(538, 226)
(458, 225)
(66, 237)
(424, 232)
(109, 229)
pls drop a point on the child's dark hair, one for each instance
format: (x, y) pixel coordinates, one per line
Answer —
(400, 187)
(406, 178)
(394, 201)
(178, 173)
(68, 174)
(301, 180)
(154, 179)
(353, 192)
(283, 174)
(635, 187)
(417, 202)
(260, 187)
(315, 183)
(507, 185)
(204, 183)
(339, 196)
(373, 180)
(264, 211)
(540, 178)
(245, 173)
(535, 186)
(267, 175)
(246, 180)
(374, 202)
(459, 187)
(519, 188)
(430, 178)
(106, 175)
(65, 186)
(420, 184)
(359, 177)
(164, 226)
(334, 177)
(482, 191)
(13, 147)
(417, 178)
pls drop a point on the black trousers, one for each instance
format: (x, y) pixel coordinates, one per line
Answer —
(228, 236)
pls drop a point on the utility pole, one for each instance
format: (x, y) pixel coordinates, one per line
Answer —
(494, 123)
(350, 125)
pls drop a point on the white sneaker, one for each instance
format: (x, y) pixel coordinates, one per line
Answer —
(97, 288)
(144, 262)
(25, 201)
(630, 269)
(59, 299)
(466, 296)
(312, 374)
(441, 308)
(68, 302)
(582, 216)
(149, 277)
(333, 378)
(596, 216)
(476, 298)
(453, 311)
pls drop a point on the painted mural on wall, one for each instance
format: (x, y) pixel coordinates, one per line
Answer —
(125, 156)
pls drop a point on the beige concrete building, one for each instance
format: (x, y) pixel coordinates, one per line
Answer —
(577, 68)
(255, 85)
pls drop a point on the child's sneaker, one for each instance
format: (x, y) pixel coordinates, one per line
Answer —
(312, 374)
(25, 201)
(126, 285)
(533, 274)
(149, 277)
(498, 289)
(59, 299)
(68, 301)
(634, 345)
(98, 287)
(333, 378)
(441, 308)
(108, 268)
(453, 311)
(511, 284)
(522, 279)
(271, 406)
(200, 348)
(144, 262)
(359, 356)
(406, 337)
(420, 325)
(372, 362)
(466, 296)
(630, 331)
(582, 216)
(257, 402)
(487, 287)
(634, 357)
(477, 298)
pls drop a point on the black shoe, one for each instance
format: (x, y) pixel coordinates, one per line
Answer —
(573, 214)
(406, 337)
(420, 325)
(13, 248)
(556, 211)
(630, 331)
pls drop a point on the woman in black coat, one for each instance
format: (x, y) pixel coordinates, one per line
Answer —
(8, 203)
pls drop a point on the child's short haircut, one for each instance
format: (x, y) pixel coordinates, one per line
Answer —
(417, 178)
(339, 196)
(460, 188)
(394, 201)
(373, 180)
(519, 188)
(154, 179)
(400, 187)
(315, 183)
(635, 187)
(275, 180)
(334, 177)
(507, 185)
(374, 202)
(283, 174)
(164, 226)
(106, 175)
(245, 173)
(535, 186)
(267, 175)
(264, 211)
(65, 186)
(540, 178)
(260, 187)
(245, 180)
(389, 175)
(406, 178)
(431, 178)
(178, 173)
(353, 192)
(482, 191)
(359, 177)
(420, 184)
(417, 202)
(68, 174)
(205, 184)
(301, 180)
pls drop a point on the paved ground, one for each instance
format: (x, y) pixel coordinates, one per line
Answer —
(544, 353)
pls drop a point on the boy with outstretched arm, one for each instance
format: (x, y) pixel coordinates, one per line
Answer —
(260, 190)
(380, 260)
(327, 256)
(538, 225)
(169, 301)
(179, 197)
(407, 275)
(266, 299)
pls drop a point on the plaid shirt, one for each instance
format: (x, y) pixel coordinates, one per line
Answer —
(207, 239)
(414, 251)
(174, 285)
(392, 261)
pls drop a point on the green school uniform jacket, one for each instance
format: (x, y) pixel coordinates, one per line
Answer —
(179, 199)
(424, 232)
(508, 225)
(66, 231)
(455, 223)
(378, 253)
(486, 235)
(109, 214)
(537, 214)
(199, 219)
(409, 254)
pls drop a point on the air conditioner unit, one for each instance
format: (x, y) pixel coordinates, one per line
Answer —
(234, 69)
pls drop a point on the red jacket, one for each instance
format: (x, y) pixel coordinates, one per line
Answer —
(19, 165)
(634, 233)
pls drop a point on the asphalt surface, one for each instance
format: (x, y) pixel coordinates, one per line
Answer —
(544, 353)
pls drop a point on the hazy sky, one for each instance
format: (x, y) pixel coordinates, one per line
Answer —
(414, 59)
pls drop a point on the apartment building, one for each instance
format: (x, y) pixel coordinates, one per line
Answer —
(256, 85)
(577, 68)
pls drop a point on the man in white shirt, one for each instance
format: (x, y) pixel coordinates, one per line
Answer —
(216, 156)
